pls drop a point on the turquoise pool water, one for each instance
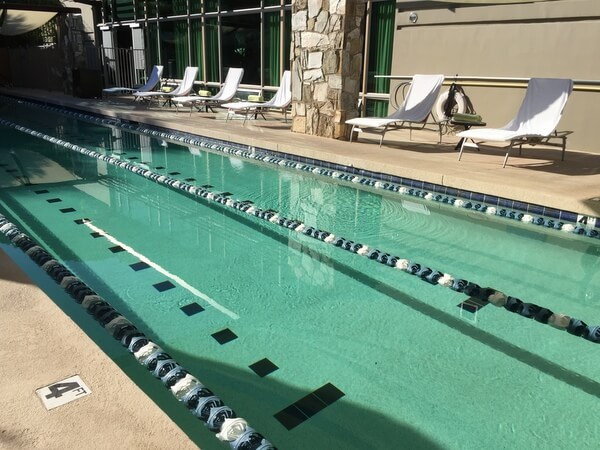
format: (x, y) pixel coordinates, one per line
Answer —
(414, 369)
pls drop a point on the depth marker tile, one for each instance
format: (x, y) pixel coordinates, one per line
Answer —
(192, 308)
(163, 286)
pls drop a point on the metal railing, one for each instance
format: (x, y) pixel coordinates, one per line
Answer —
(124, 67)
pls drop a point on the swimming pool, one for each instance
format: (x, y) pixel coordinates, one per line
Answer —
(276, 315)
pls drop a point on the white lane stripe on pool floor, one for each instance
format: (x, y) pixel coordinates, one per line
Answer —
(165, 272)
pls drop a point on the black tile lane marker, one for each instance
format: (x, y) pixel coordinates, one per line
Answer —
(139, 266)
(41, 191)
(81, 221)
(95, 234)
(67, 210)
(163, 286)
(308, 406)
(54, 200)
(224, 336)
(174, 173)
(263, 367)
(180, 382)
(116, 249)
(189, 179)
(192, 308)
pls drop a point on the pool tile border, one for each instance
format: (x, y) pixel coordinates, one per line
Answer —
(567, 221)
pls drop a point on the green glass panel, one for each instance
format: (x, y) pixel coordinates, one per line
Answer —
(230, 5)
(287, 38)
(151, 8)
(272, 2)
(196, 44)
(167, 48)
(211, 5)
(124, 10)
(240, 39)
(271, 49)
(181, 47)
(195, 6)
(179, 7)
(152, 43)
(212, 49)
(140, 9)
(165, 8)
(377, 108)
(380, 45)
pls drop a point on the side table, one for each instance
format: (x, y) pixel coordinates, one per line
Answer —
(466, 125)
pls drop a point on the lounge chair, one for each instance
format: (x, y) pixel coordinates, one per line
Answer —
(416, 108)
(184, 88)
(281, 100)
(152, 82)
(536, 120)
(226, 93)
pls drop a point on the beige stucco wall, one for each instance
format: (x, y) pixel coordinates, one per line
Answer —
(553, 39)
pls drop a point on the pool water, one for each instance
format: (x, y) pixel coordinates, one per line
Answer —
(394, 362)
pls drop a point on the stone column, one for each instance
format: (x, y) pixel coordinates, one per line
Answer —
(327, 47)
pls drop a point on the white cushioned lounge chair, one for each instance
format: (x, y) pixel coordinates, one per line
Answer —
(226, 93)
(152, 82)
(416, 108)
(280, 101)
(536, 120)
(184, 88)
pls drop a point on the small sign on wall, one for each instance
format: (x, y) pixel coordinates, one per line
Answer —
(62, 392)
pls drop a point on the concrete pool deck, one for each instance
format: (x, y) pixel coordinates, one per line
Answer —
(118, 413)
(42, 345)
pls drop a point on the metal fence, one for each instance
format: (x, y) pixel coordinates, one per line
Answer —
(124, 67)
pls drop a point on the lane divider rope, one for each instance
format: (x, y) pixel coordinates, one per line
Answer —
(581, 225)
(201, 401)
(541, 314)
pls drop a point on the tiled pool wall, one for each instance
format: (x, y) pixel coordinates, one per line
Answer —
(552, 218)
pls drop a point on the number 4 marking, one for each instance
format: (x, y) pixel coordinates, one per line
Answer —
(588, 222)
(58, 389)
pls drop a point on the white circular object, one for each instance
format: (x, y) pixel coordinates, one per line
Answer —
(459, 99)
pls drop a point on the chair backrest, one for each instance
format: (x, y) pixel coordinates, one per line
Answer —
(283, 96)
(542, 106)
(154, 79)
(230, 85)
(186, 85)
(421, 96)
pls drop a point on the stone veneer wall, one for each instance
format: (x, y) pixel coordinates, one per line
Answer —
(327, 55)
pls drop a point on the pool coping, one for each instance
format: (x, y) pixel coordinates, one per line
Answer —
(531, 213)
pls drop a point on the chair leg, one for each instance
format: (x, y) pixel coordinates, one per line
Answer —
(382, 136)
(462, 147)
(352, 133)
(507, 153)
